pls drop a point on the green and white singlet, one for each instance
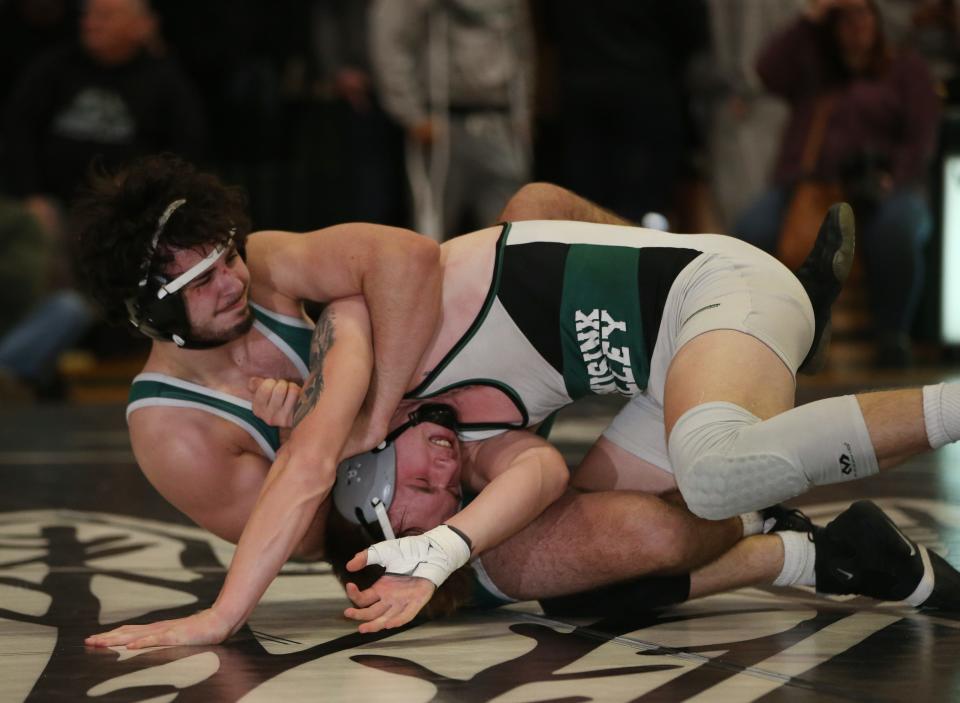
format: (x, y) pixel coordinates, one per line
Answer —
(290, 335)
(573, 309)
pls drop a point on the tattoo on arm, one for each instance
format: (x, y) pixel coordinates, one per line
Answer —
(320, 344)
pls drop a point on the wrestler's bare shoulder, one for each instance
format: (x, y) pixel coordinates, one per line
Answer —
(161, 434)
(468, 263)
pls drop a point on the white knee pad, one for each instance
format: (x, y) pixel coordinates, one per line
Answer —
(727, 461)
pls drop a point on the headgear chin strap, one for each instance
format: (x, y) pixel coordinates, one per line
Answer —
(366, 483)
(157, 310)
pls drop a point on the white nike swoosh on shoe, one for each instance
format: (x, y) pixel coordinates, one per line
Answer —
(913, 548)
(926, 586)
(846, 574)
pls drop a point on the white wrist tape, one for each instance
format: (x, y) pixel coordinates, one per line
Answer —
(434, 555)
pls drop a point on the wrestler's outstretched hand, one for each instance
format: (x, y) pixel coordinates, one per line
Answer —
(205, 627)
(390, 602)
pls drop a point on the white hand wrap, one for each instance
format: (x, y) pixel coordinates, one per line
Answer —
(434, 555)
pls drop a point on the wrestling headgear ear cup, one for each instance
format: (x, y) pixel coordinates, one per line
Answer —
(363, 478)
(157, 309)
(370, 478)
(164, 320)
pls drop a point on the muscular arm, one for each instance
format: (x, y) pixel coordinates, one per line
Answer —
(519, 474)
(545, 201)
(305, 468)
(205, 474)
(208, 474)
(295, 486)
(395, 270)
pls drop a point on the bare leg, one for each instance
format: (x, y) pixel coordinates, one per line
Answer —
(724, 365)
(586, 540)
(871, 553)
(754, 561)
(895, 423)
(720, 365)
(545, 201)
(608, 467)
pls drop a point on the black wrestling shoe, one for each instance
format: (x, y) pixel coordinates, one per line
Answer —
(823, 274)
(863, 552)
(780, 518)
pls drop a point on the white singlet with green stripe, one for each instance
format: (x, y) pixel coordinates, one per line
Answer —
(575, 308)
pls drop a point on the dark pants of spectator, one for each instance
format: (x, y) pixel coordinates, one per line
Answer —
(373, 164)
(622, 152)
(30, 349)
(346, 166)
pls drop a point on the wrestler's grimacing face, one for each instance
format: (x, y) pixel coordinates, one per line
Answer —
(216, 301)
(428, 478)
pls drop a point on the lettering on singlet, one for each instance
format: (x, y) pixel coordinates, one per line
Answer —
(607, 360)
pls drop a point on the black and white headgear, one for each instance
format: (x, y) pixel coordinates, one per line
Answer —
(157, 309)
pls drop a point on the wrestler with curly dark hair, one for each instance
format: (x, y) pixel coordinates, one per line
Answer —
(116, 217)
(167, 247)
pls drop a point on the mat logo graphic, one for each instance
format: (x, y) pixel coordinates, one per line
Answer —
(69, 573)
(608, 365)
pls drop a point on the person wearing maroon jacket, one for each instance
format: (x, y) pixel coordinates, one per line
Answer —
(878, 138)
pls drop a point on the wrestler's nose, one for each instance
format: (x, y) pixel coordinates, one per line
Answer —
(230, 278)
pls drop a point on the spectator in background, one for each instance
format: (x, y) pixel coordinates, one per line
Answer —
(932, 27)
(879, 113)
(625, 127)
(111, 96)
(249, 59)
(457, 75)
(35, 325)
(372, 144)
(744, 121)
(23, 262)
(28, 28)
(108, 95)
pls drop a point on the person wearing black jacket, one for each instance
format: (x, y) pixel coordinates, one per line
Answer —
(111, 95)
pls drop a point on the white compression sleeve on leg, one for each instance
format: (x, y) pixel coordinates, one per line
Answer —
(941, 413)
(727, 461)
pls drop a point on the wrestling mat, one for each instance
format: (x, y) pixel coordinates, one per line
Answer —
(86, 545)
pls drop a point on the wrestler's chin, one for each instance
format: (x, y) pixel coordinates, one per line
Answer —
(243, 325)
(233, 331)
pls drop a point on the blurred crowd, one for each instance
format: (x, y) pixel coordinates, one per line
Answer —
(733, 116)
